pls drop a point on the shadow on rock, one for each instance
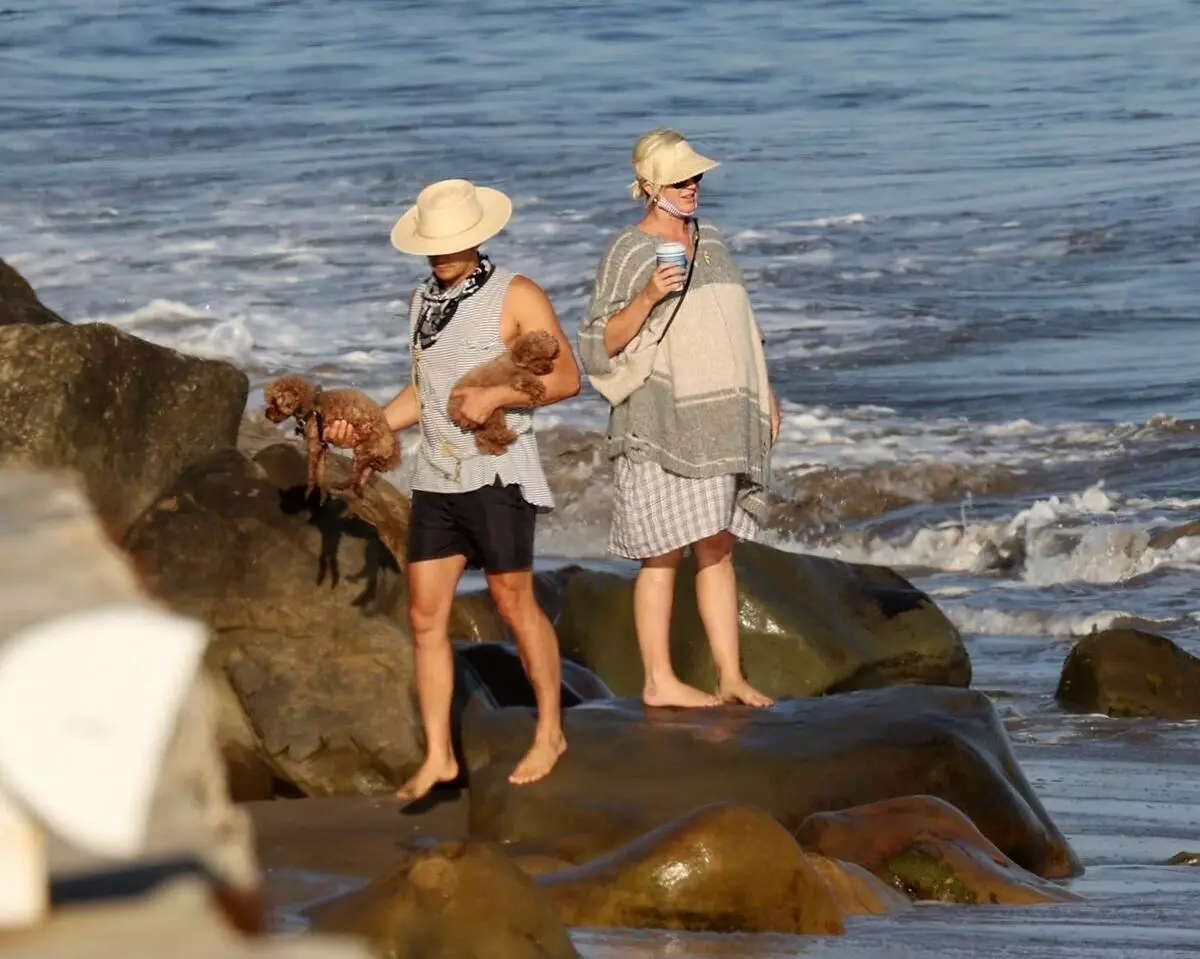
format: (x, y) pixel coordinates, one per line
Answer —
(498, 666)
(317, 669)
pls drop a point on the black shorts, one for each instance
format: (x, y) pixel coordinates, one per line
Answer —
(491, 526)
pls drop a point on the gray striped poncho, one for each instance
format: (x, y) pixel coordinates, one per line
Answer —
(705, 410)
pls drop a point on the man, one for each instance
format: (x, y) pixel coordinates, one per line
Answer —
(470, 509)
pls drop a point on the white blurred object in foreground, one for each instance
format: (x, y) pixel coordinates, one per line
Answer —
(88, 702)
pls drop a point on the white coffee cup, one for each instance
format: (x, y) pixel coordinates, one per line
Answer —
(673, 254)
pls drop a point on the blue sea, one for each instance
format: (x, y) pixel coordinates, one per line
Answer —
(969, 231)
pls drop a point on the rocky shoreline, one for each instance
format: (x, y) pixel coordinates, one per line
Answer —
(879, 779)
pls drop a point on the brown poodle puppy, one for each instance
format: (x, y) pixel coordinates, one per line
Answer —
(530, 356)
(375, 446)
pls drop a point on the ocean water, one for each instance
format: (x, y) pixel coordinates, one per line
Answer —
(969, 231)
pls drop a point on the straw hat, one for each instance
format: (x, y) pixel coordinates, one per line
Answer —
(450, 216)
(672, 163)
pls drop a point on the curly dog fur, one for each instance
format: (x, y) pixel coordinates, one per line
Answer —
(375, 446)
(530, 356)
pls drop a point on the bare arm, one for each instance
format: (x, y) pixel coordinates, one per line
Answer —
(402, 410)
(527, 309)
(622, 327)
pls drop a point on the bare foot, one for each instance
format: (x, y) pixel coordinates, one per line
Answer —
(672, 692)
(740, 691)
(540, 759)
(432, 772)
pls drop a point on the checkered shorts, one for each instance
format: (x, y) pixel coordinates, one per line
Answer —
(655, 511)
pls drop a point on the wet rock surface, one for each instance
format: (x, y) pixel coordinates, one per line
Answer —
(455, 900)
(630, 769)
(809, 626)
(1130, 673)
(721, 868)
(926, 847)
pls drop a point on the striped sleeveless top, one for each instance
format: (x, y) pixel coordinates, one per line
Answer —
(447, 460)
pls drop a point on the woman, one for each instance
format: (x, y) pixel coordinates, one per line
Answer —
(693, 417)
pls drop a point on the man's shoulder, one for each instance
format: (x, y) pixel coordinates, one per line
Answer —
(523, 283)
(524, 302)
(522, 289)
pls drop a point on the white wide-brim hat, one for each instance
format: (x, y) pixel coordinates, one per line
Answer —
(674, 164)
(451, 216)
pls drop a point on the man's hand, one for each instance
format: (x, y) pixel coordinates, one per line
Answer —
(339, 433)
(470, 406)
(775, 418)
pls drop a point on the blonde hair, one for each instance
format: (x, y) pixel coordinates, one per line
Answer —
(647, 146)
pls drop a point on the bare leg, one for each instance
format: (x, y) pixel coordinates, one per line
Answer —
(538, 646)
(716, 598)
(653, 596)
(431, 586)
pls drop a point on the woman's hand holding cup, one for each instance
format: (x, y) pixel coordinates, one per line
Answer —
(667, 279)
(671, 271)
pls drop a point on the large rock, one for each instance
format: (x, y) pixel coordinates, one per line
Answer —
(498, 667)
(1169, 537)
(809, 626)
(456, 900)
(312, 654)
(1127, 672)
(720, 868)
(855, 891)
(630, 769)
(55, 559)
(19, 303)
(126, 414)
(928, 848)
(474, 617)
(384, 508)
(301, 600)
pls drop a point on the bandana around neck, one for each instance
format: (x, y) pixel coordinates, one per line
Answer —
(438, 305)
